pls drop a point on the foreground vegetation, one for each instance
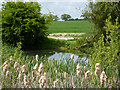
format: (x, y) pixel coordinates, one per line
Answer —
(39, 72)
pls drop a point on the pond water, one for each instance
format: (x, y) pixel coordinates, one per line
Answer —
(64, 56)
(56, 55)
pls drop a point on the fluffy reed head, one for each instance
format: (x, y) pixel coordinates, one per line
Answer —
(78, 69)
(36, 66)
(72, 56)
(23, 68)
(11, 58)
(103, 77)
(87, 75)
(37, 57)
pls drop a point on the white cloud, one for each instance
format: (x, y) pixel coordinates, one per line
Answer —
(63, 8)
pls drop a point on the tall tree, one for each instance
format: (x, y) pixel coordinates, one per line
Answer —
(65, 17)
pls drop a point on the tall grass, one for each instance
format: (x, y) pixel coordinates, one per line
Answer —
(30, 72)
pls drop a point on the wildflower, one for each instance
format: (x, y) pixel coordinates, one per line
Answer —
(36, 57)
(7, 73)
(36, 67)
(103, 77)
(11, 58)
(23, 68)
(72, 56)
(78, 69)
(87, 75)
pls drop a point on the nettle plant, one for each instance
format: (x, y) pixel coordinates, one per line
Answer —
(106, 50)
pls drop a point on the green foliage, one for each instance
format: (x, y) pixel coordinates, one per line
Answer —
(98, 13)
(65, 17)
(50, 17)
(106, 53)
(23, 22)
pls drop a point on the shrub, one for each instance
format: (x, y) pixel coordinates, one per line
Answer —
(23, 22)
(107, 53)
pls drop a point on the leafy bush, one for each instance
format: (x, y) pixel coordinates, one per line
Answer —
(107, 53)
(23, 22)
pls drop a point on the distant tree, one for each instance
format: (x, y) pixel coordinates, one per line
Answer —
(65, 17)
(50, 17)
(55, 18)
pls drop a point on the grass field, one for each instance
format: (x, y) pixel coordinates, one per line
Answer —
(70, 27)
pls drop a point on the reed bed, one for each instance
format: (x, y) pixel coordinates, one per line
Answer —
(39, 72)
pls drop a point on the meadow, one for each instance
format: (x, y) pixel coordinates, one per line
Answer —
(70, 27)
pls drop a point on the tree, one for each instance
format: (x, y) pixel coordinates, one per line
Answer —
(23, 22)
(50, 17)
(65, 17)
(55, 18)
(98, 12)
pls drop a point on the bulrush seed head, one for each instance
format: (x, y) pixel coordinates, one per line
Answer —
(103, 77)
(37, 57)
(25, 78)
(20, 76)
(78, 66)
(36, 67)
(84, 68)
(97, 65)
(42, 80)
(11, 58)
(5, 63)
(97, 69)
(16, 65)
(45, 75)
(40, 68)
(78, 69)
(65, 75)
(56, 83)
(5, 68)
(33, 74)
(23, 68)
(41, 65)
(87, 75)
(72, 56)
(7, 73)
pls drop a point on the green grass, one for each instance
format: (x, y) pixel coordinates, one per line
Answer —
(70, 27)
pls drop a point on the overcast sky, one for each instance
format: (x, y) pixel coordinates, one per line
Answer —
(59, 7)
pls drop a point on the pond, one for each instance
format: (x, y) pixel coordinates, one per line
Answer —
(64, 56)
(57, 55)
